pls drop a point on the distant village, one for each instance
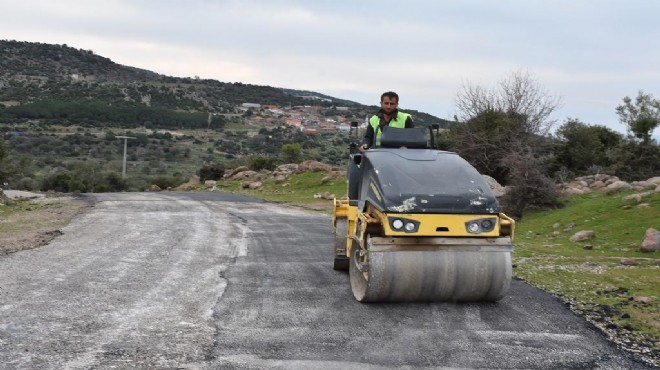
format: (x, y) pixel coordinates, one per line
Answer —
(310, 119)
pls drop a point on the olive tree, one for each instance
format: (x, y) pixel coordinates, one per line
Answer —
(641, 116)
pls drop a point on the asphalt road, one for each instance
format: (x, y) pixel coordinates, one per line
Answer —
(210, 281)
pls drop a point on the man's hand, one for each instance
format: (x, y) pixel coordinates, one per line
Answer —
(363, 147)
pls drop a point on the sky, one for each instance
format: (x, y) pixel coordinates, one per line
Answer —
(589, 53)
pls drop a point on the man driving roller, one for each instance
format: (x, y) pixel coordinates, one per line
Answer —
(388, 115)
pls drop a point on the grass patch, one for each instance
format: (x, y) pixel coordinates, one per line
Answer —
(602, 278)
(298, 189)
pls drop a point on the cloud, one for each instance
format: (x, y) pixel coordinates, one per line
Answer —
(591, 52)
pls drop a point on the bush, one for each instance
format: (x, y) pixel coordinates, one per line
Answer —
(213, 171)
(530, 187)
(258, 163)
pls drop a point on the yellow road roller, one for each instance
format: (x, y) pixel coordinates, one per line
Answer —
(420, 224)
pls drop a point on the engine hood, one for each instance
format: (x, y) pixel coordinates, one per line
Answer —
(423, 181)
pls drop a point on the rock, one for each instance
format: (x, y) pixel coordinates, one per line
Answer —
(628, 262)
(601, 177)
(642, 185)
(255, 185)
(643, 300)
(657, 189)
(626, 207)
(244, 175)
(313, 166)
(154, 188)
(326, 179)
(280, 178)
(654, 180)
(637, 197)
(291, 167)
(588, 247)
(556, 225)
(573, 191)
(651, 240)
(327, 195)
(210, 183)
(191, 184)
(495, 187)
(236, 170)
(569, 226)
(617, 186)
(597, 185)
(611, 180)
(245, 184)
(583, 235)
(642, 205)
(555, 234)
(318, 195)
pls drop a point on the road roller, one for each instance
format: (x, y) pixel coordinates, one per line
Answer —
(420, 224)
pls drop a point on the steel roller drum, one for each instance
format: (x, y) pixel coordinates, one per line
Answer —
(397, 273)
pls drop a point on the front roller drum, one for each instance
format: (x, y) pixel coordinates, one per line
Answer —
(433, 275)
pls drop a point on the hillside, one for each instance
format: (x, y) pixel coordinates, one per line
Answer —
(51, 82)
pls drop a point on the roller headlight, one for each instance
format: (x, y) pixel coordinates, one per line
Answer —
(482, 225)
(473, 227)
(403, 224)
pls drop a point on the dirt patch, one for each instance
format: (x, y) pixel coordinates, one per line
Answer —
(27, 224)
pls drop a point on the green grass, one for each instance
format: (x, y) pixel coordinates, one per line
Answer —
(297, 189)
(601, 282)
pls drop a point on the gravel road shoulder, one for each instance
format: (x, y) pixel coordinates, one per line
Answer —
(31, 223)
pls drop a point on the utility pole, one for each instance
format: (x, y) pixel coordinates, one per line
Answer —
(123, 167)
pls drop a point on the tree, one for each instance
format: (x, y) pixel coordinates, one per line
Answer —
(642, 116)
(582, 146)
(291, 153)
(502, 130)
(485, 140)
(517, 94)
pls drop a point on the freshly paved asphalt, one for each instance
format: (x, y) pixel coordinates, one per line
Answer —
(211, 280)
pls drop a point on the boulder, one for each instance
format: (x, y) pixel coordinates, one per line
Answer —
(651, 240)
(642, 299)
(255, 185)
(291, 167)
(583, 235)
(154, 188)
(497, 189)
(642, 185)
(597, 184)
(657, 189)
(637, 197)
(611, 180)
(313, 166)
(573, 191)
(617, 186)
(244, 175)
(280, 178)
(210, 183)
(236, 170)
(654, 180)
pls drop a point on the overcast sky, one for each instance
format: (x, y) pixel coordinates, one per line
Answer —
(591, 53)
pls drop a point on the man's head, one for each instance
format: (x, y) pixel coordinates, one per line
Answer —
(389, 102)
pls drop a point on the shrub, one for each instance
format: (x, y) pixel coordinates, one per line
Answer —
(213, 171)
(258, 163)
